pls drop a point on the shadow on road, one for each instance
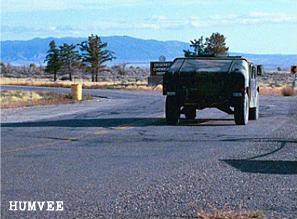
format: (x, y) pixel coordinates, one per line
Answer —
(264, 166)
(116, 122)
(207, 122)
(250, 165)
(272, 140)
(282, 142)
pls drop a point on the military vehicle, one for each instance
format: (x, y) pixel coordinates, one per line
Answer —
(228, 83)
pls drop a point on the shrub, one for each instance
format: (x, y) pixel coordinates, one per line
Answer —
(288, 91)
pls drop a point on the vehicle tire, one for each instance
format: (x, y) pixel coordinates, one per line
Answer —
(172, 110)
(254, 112)
(241, 111)
(190, 113)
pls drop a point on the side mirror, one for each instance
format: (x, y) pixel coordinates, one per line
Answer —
(294, 69)
(260, 70)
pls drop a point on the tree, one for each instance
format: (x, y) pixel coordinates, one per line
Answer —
(94, 55)
(212, 46)
(216, 45)
(188, 53)
(199, 46)
(69, 58)
(53, 60)
(2, 68)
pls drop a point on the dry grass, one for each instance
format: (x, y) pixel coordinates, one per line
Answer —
(265, 90)
(289, 91)
(158, 88)
(139, 85)
(224, 214)
(270, 91)
(278, 91)
(13, 99)
(67, 84)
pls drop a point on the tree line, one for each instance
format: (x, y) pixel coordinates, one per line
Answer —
(91, 55)
(210, 46)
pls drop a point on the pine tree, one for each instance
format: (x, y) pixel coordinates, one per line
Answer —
(216, 45)
(212, 46)
(199, 46)
(94, 55)
(188, 53)
(69, 57)
(52, 59)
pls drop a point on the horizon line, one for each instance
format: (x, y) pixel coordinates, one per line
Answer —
(105, 36)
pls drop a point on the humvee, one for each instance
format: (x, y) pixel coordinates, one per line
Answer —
(228, 83)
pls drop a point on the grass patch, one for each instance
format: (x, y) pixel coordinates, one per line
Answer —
(277, 91)
(125, 85)
(223, 214)
(67, 84)
(16, 98)
(265, 89)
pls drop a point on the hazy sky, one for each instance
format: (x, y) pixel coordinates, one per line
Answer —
(254, 26)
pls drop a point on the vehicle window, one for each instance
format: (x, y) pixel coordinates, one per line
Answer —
(176, 65)
(254, 72)
(199, 65)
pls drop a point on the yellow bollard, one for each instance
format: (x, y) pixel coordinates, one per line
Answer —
(76, 90)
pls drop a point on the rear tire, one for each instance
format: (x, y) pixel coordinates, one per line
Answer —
(172, 110)
(254, 112)
(241, 111)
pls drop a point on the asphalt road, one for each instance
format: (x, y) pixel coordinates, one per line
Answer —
(115, 157)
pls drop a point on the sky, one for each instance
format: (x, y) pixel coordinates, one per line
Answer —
(250, 26)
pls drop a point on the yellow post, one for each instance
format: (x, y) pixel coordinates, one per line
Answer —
(76, 90)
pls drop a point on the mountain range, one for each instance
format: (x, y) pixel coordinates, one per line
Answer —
(127, 50)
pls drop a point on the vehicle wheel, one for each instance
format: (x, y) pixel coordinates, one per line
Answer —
(190, 113)
(254, 112)
(172, 110)
(241, 111)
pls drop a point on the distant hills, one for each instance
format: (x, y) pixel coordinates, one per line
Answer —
(127, 50)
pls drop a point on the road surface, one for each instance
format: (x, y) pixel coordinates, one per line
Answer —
(114, 156)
